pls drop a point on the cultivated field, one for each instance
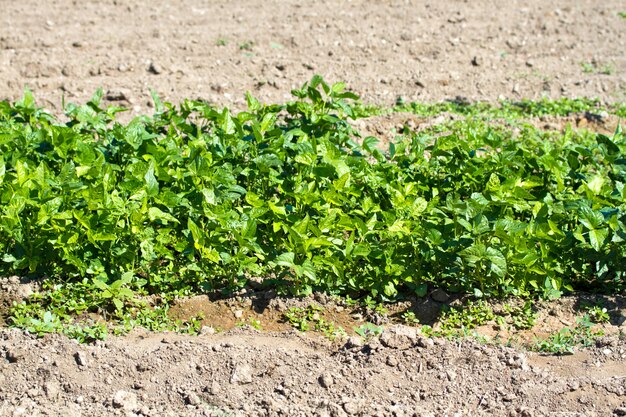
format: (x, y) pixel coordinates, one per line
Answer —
(194, 222)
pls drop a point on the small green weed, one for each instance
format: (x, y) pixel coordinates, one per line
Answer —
(309, 318)
(523, 317)
(467, 316)
(408, 317)
(368, 330)
(247, 45)
(597, 68)
(252, 322)
(597, 312)
(566, 340)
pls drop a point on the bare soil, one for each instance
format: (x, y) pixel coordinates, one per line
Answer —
(217, 50)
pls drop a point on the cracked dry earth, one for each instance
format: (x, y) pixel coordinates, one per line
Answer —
(246, 373)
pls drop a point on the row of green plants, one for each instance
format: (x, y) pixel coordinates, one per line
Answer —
(197, 199)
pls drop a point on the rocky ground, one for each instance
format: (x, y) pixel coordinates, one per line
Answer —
(246, 373)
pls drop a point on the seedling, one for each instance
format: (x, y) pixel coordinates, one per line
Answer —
(368, 330)
(246, 46)
(408, 317)
(566, 340)
(309, 318)
(597, 312)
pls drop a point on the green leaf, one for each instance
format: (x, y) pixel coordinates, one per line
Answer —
(155, 213)
(152, 185)
(597, 237)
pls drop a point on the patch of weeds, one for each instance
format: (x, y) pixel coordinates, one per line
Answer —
(594, 67)
(83, 313)
(467, 316)
(587, 67)
(252, 322)
(566, 340)
(408, 318)
(309, 318)
(221, 42)
(368, 330)
(622, 14)
(597, 312)
(524, 317)
(246, 46)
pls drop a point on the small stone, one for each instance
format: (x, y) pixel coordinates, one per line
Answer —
(515, 89)
(399, 337)
(207, 330)
(476, 61)
(326, 380)
(154, 68)
(351, 408)
(77, 44)
(242, 374)
(425, 342)
(419, 83)
(214, 388)
(439, 295)
(81, 358)
(603, 115)
(620, 411)
(116, 95)
(125, 400)
(14, 355)
(607, 352)
(451, 375)
(193, 399)
(51, 389)
(355, 341)
(392, 361)
(238, 314)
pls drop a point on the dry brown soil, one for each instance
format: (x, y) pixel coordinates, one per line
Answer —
(216, 50)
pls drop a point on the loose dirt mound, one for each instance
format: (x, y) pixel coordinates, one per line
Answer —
(248, 374)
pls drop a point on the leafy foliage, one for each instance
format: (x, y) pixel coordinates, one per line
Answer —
(198, 199)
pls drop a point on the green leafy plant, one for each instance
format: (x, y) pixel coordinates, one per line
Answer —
(467, 316)
(597, 68)
(597, 312)
(310, 318)
(196, 199)
(566, 340)
(409, 318)
(252, 322)
(368, 330)
(523, 317)
(246, 46)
